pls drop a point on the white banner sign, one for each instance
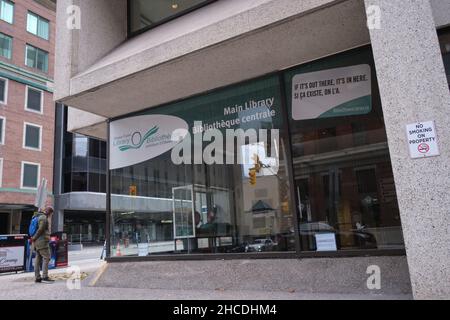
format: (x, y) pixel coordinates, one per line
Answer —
(326, 242)
(138, 139)
(11, 258)
(332, 93)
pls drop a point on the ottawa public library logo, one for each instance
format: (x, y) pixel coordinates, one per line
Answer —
(137, 140)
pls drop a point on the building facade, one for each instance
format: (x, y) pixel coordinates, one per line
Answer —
(27, 41)
(79, 183)
(267, 129)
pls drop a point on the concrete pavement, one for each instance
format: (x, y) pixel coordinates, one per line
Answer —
(22, 286)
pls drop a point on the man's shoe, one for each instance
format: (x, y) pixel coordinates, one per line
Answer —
(38, 280)
(48, 280)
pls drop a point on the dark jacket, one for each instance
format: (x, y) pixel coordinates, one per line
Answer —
(42, 236)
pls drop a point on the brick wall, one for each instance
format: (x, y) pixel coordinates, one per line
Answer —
(14, 111)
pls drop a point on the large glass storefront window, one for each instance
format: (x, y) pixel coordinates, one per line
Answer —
(215, 173)
(342, 168)
(144, 14)
(223, 189)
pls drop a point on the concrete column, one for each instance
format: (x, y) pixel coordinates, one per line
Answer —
(414, 88)
(58, 220)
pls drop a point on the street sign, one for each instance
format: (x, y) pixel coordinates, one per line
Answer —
(422, 140)
(41, 194)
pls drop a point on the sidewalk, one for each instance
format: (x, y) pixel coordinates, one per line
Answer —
(159, 283)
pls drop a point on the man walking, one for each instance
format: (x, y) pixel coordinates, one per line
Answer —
(41, 244)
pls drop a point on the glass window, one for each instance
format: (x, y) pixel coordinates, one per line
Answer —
(94, 148)
(102, 149)
(342, 168)
(444, 39)
(5, 46)
(2, 130)
(34, 100)
(79, 181)
(67, 182)
(3, 90)
(37, 25)
(234, 199)
(80, 144)
(32, 136)
(1, 172)
(94, 182)
(30, 175)
(145, 14)
(36, 58)
(7, 11)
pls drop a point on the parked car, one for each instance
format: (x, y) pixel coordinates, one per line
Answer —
(260, 245)
(361, 238)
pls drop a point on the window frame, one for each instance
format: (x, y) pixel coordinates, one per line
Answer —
(38, 165)
(3, 131)
(26, 99)
(5, 102)
(13, 11)
(25, 124)
(37, 51)
(12, 46)
(39, 19)
(131, 34)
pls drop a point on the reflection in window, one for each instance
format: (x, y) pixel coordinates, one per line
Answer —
(5, 46)
(209, 208)
(32, 136)
(84, 164)
(38, 25)
(3, 91)
(342, 168)
(34, 99)
(7, 11)
(145, 14)
(36, 58)
(30, 175)
(2, 130)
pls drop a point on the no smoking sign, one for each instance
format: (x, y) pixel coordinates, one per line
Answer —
(422, 140)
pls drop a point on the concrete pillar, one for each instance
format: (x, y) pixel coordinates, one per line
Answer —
(58, 220)
(414, 88)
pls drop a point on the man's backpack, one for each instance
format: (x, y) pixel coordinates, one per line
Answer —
(34, 225)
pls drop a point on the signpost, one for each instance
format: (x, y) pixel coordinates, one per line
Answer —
(41, 195)
(422, 140)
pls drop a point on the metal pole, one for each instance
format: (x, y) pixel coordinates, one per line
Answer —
(108, 195)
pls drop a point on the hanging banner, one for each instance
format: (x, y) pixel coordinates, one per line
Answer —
(332, 93)
(138, 139)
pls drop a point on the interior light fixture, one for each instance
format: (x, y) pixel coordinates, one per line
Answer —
(174, 6)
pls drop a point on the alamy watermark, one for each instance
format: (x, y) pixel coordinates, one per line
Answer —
(73, 21)
(210, 145)
(373, 13)
(374, 280)
(74, 278)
